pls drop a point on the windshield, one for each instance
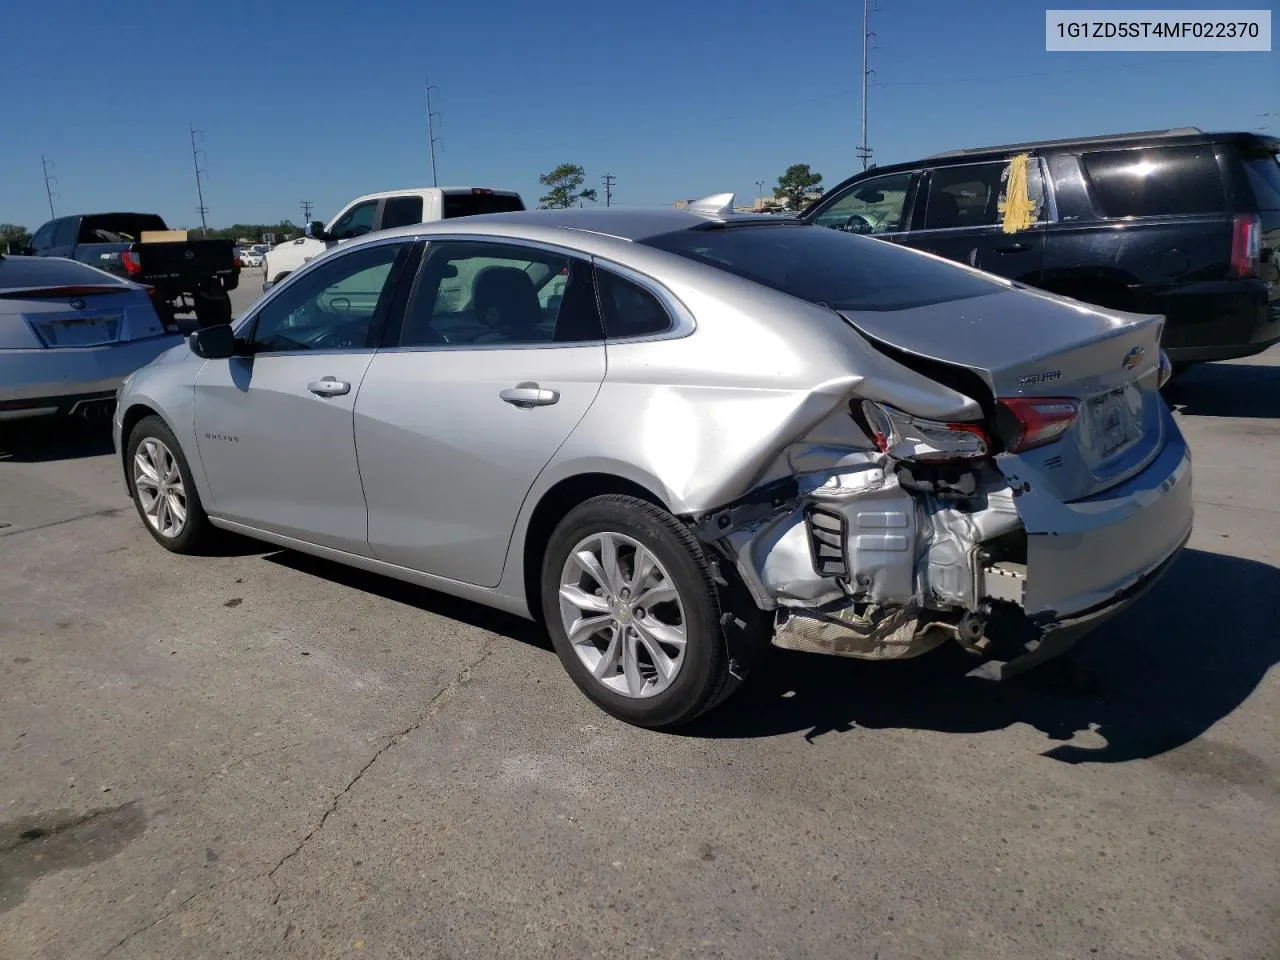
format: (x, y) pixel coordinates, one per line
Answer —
(840, 270)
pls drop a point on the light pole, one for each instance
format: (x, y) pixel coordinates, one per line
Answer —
(759, 195)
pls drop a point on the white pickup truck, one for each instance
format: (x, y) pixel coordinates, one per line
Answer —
(381, 211)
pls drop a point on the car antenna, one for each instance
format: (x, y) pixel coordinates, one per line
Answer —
(717, 204)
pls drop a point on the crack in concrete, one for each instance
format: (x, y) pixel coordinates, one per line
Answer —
(163, 917)
(398, 737)
(103, 512)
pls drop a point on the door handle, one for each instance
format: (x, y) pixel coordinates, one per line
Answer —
(529, 394)
(1016, 247)
(329, 387)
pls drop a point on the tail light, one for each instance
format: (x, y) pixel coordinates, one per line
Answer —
(1246, 245)
(915, 440)
(131, 262)
(1038, 420)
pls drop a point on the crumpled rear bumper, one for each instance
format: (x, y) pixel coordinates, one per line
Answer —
(856, 564)
(1085, 555)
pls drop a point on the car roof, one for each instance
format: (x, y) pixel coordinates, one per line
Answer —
(27, 273)
(425, 191)
(1110, 140)
(622, 223)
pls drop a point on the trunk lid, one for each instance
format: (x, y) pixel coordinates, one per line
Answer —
(1023, 343)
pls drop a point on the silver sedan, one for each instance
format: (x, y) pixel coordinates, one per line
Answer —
(69, 334)
(674, 436)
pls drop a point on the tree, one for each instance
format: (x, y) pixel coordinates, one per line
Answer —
(797, 185)
(564, 182)
(11, 233)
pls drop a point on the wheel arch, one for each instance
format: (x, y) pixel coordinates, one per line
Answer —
(133, 415)
(552, 507)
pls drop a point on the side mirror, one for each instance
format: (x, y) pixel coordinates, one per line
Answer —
(213, 343)
(316, 229)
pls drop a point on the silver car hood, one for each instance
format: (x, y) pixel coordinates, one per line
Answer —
(1024, 342)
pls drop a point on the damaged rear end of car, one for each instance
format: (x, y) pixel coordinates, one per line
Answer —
(1046, 501)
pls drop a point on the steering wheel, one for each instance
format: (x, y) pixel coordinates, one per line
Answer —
(857, 223)
(348, 336)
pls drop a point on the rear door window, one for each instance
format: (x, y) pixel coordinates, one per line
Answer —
(64, 233)
(117, 227)
(470, 204)
(1156, 181)
(974, 194)
(629, 310)
(1263, 172)
(401, 212)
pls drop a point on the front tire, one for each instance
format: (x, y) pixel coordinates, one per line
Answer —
(633, 614)
(162, 489)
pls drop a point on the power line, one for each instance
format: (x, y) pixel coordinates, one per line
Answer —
(49, 180)
(432, 139)
(306, 211)
(608, 179)
(195, 161)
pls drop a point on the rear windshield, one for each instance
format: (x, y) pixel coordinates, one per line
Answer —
(839, 270)
(470, 204)
(23, 273)
(118, 227)
(1156, 181)
(1263, 171)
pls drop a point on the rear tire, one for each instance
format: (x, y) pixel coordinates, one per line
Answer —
(162, 489)
(620, 655)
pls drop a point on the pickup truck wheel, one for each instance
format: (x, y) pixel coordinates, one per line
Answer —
(212, 308)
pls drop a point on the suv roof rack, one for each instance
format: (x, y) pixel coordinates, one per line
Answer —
(1106, 138)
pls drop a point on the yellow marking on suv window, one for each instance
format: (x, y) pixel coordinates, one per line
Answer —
(1016, 207)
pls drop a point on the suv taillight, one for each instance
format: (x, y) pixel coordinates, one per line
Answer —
(131, 262)
(1038, 420)
(915, 440)
(1246, 245)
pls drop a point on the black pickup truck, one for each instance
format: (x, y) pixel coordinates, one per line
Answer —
(186, 275)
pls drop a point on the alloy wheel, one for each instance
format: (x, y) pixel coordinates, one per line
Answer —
(623, 614)
(159, 486)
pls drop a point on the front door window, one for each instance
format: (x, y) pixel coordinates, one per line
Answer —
(331, 307)
(877, 205)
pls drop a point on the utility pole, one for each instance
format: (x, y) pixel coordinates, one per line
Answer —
(608, 179)
(759, 195)
(306, 211)
(432, 139)
(195, 160)
(868, 39)
(49, 180)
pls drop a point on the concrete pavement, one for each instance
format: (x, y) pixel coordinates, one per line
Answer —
(265, 755)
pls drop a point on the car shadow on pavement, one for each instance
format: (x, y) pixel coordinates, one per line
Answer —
(1247, 390)
(430, 601)
(1154, 678)
(46, 438)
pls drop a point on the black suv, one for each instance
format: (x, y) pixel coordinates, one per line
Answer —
(1177, 222)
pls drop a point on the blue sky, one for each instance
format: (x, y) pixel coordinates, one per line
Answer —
(322, 100)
